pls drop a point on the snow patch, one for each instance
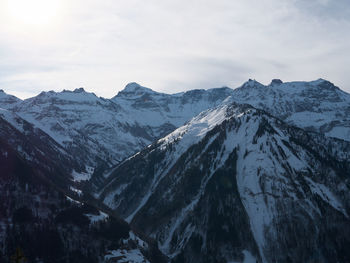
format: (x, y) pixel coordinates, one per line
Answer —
(75, 190)
(96, 218)
(326, 195)
(126, 256)
(83, 176)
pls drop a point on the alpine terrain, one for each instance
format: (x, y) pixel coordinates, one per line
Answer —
(260, 173)
(235, 184)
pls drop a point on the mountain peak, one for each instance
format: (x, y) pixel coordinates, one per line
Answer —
(252, 83)
(134, 89)
(324, 84)
(276, 82)
(79, 90)
(132, 86)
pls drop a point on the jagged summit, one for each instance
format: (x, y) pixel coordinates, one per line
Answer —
(45, 93)
(251, 84)
(78, 95)
(313, 105)
(7, 101)
(224, 175)
(236, 177)
(320, 83)
(134, 88)
(79, 90)
(276, 82)
(137, 116)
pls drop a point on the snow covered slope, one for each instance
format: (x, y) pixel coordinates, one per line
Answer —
(236, 183)
(233, 184)
(316, 105)
(37, 148)
(77, 120)
(7, 101)
(105, 131)
(149, 108)
(98, 130)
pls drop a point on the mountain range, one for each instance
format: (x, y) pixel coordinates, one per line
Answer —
(259, 173)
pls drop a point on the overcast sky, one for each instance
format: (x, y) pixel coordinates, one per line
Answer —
(171, 46)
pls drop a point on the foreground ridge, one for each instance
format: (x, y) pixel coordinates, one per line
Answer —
(237, 183)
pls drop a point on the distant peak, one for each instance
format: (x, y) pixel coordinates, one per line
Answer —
(47, 93)
(321, 80)
(79, 90)
(276, 82)
(324, 84)
(132, 85)
(133, 89)
(252, 83)
(2, 91)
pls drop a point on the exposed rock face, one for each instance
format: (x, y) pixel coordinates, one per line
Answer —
(276, 82)
(316, 105)
(237, 183)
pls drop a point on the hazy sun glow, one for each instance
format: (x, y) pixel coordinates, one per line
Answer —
(33, 12)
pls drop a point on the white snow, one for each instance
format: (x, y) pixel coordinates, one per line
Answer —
(126, 256)
(196, 128)
(191, 133)
(187, 135)
(75, 190)
(108, 124)
(248, 257)
(304, 104)
(96, 218)
(83, 176)
(260, 204)
(73, 201)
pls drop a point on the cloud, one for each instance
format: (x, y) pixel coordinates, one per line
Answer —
(325, 9)
(174, 46)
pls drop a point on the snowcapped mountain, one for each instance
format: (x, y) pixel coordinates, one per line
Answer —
(317, 105)
(7, 101)
(149, 108)
(237, 184)
(77, 120)
(102, 132)
(98, 130)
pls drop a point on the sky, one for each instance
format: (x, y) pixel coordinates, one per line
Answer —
(170, 46)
